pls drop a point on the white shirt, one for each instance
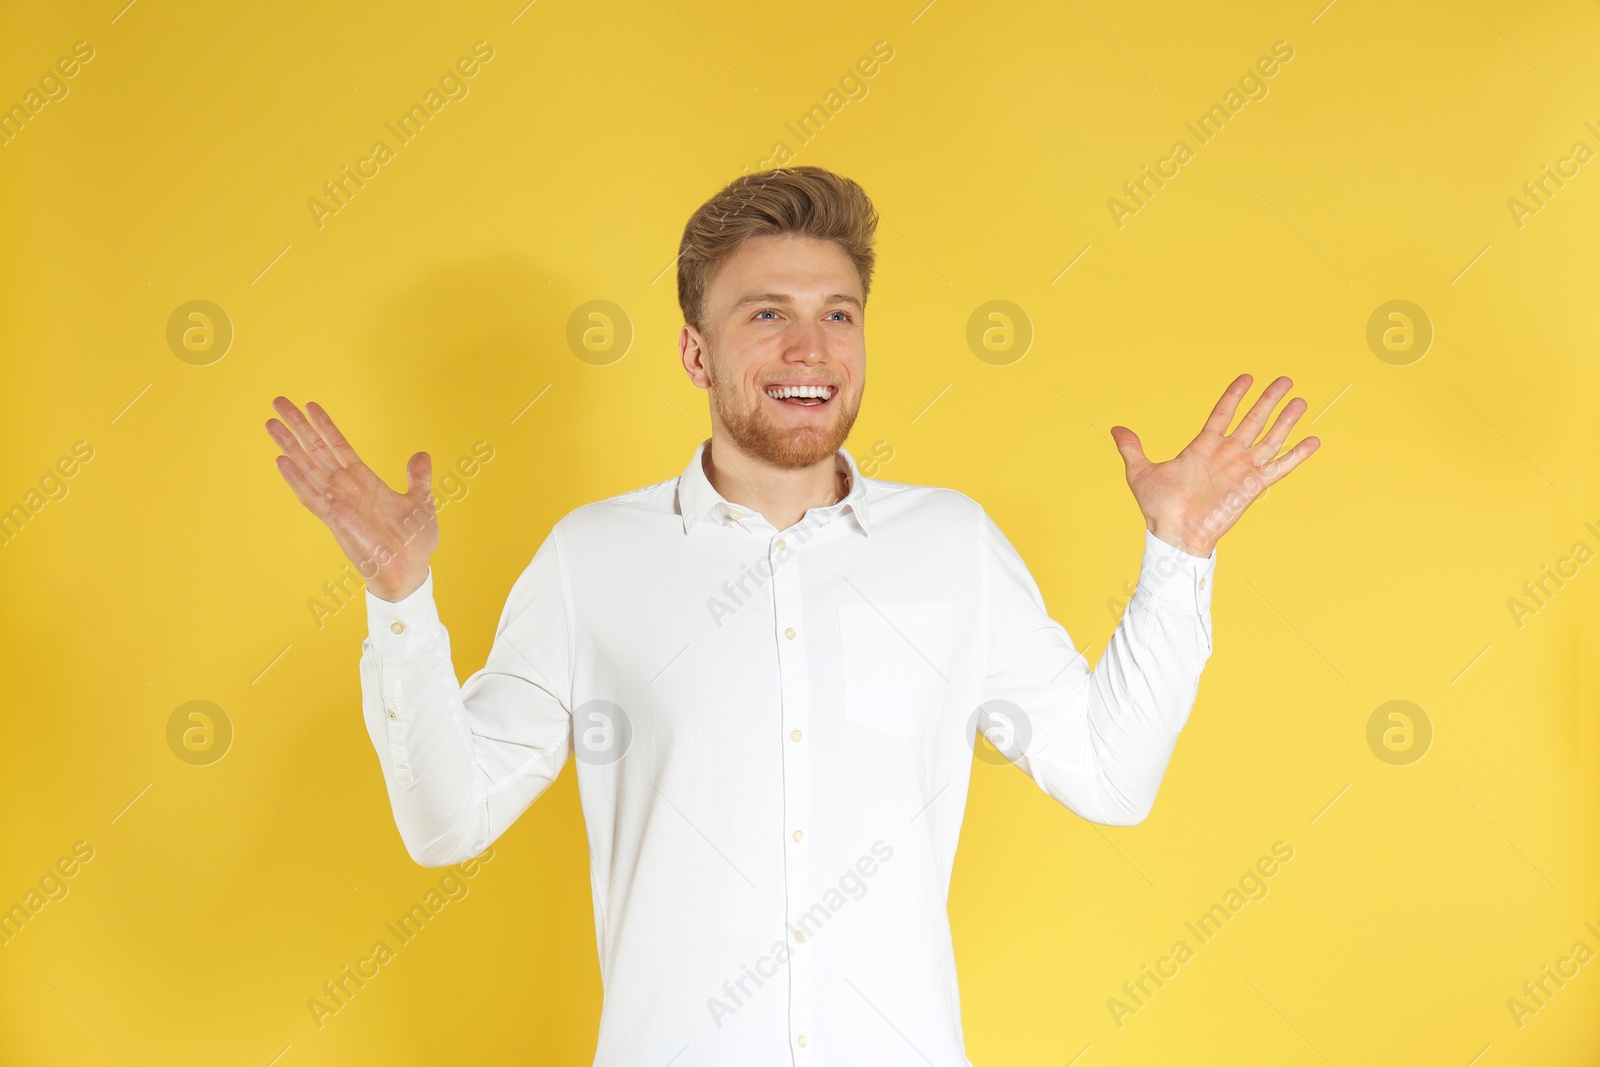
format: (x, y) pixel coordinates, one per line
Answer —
(774, 735)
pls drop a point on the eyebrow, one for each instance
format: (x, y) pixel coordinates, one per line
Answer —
(785, 298)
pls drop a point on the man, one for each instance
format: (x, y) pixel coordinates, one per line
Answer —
(771, 668)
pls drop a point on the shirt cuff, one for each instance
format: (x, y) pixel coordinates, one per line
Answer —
(1169, 573)
(399, 627)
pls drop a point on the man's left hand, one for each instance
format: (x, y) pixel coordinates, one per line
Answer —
(1191, 500)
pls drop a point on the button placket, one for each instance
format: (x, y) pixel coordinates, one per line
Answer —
(791, 633)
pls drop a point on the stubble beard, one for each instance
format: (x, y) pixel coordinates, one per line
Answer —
(755, 433)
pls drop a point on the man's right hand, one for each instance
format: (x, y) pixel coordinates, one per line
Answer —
(387, 535)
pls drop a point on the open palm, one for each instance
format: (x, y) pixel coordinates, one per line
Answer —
(389, 536)
(1191, 500)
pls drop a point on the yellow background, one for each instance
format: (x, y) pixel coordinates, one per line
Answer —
(432, 309)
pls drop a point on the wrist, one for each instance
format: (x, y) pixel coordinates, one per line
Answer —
(397, 591)
(1174, 534)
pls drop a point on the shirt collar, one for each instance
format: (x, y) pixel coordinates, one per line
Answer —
(697, 497)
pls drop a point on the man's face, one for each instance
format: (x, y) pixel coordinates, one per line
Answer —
(783, 311)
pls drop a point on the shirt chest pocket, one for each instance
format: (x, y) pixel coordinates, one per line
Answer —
(896, 664)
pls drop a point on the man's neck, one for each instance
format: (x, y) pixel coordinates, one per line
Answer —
(780, 496)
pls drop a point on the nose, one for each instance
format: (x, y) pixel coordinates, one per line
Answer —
(807, 342)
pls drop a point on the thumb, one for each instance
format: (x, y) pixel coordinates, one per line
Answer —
(1127, 443)
(419, 473)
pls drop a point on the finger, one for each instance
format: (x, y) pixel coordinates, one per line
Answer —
(309, 437)
(1250, 426)
(1279, 469)
(419, 473)
(1127, 443)
(330, 433)
(304, 491)
(296, 455)
(1222, 414)
(1268, 446)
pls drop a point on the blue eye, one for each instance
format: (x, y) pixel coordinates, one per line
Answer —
(764, 311)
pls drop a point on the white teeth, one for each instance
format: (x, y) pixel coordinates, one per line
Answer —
(780, 392)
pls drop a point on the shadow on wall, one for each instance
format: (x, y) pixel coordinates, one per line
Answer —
(463, 349)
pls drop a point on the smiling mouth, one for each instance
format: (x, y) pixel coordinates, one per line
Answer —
(804, 396)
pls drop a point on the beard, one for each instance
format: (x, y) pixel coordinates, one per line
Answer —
(755, 432)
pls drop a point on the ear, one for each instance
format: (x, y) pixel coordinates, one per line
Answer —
(694, 353)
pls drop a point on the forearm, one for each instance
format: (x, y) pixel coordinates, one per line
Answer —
(411, 707)
(462, 760)
(1140, 696)
(1105, 738)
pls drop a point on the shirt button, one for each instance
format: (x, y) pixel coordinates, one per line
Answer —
(801, 1040)
(794, 735)
(800, 935)
(1202, 583)
(398, 627)
(734, 513)
(392, 715)
(782, 544)
(789, 633)
(798, 835)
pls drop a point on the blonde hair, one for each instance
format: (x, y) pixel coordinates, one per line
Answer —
(802, 201)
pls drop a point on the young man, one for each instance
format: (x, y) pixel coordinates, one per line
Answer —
(770, 668)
